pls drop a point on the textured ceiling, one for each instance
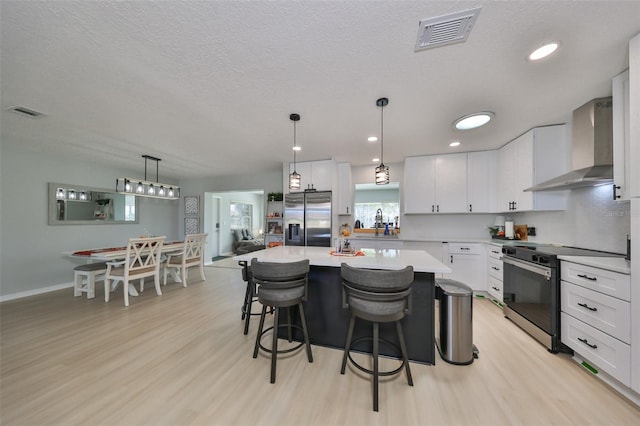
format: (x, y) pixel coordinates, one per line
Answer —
(208, 86)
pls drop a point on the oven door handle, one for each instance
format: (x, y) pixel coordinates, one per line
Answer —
(540, 270)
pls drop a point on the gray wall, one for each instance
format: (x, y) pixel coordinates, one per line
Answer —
(32, 252)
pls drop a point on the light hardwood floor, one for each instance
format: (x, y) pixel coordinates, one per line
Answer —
(181, 359)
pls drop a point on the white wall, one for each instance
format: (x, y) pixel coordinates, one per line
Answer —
(31, 251)
(225, 199)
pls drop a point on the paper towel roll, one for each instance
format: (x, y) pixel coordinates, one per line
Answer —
(508, 229)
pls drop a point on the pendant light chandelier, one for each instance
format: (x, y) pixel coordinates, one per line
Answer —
(145, 188)
(294, 178)
(382, 171)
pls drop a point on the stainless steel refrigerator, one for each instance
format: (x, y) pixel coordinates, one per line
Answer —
(307, 219)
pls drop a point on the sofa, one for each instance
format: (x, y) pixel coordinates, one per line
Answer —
(244, 239)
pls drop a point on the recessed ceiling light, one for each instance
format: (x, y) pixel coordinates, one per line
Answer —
(544, 51)
(375, 160)
(297, 148)
(372, 138)
(474, 120)
(452, 144)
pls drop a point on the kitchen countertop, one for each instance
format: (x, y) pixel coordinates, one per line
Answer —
(376, 259)
(616, 264)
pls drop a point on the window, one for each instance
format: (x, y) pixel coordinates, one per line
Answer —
(366, 213)
(241, 215)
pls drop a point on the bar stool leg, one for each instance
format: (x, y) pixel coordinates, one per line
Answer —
(347, 345)
(405, 356)
(248, 305)
(305, 332)
(375, 365)
(257, 346)
(289, 322)
(274, 346)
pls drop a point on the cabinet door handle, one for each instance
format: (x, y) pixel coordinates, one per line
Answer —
(586, 342)
(615, 195)
(438, 208)
(465, 248)
(433, 208)
(347, 209)
(497, 269)
(452, 260)
(495, 288)
(586, 277)
(495, 252)
(470, 208)
(515, 205)
(584, 305)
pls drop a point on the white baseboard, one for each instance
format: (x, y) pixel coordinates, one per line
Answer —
(28, 293)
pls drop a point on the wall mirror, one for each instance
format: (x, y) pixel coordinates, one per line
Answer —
(81, 205)
(370, 197)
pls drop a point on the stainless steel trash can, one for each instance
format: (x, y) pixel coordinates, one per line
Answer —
(455, 342)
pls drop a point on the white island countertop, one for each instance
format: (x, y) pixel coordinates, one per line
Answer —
(373, 259)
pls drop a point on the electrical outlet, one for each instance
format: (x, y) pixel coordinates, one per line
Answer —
(531, 230)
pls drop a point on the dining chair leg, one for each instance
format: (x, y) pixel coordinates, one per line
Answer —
(202, 271)
(141, 285)
(107, 289)
(125, 290)
(156, 281)
(166, 271)
(184, 276)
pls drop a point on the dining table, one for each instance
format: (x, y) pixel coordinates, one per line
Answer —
(112, 254)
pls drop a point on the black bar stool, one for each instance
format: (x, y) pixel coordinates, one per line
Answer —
(378, 296)
(280, 285)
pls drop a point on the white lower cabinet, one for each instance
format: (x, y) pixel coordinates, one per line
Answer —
(468, 264)
(494, 274)
(595, 319)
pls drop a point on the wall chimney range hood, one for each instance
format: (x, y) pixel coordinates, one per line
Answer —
(591, 150)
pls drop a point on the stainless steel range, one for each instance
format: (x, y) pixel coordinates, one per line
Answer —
(532, 289)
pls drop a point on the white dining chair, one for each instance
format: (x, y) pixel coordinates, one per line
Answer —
(192, 255)
(142, 260)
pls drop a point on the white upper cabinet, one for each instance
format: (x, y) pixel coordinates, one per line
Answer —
(634, 125)
(345, 189)
(621, 138)
(534, 157)
(313, 174)
(436, 184)
(481, 181)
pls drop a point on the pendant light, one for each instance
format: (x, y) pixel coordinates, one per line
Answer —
(294, 178)
(145, 188)
(382, 171)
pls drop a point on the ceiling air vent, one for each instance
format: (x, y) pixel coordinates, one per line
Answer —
(26, 111)
(446, 29)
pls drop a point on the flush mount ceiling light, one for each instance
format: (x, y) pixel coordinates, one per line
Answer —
(382, 171)
(454, 144)
(372, 139)
(145, 188)
(472, 121)
(294, 177)
(543, 51)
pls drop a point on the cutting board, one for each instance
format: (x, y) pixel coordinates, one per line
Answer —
(520, 232)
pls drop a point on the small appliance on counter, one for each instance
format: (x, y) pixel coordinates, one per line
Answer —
(508, 230)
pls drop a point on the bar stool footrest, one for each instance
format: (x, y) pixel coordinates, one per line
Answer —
(281, 351)
(366, 370)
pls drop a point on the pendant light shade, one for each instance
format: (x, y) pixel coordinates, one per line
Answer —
(382, 171)
(294, 177)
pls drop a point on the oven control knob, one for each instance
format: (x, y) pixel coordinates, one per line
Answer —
(541, 259)
(507, 250)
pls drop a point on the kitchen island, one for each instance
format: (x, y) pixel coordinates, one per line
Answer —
(328, 321)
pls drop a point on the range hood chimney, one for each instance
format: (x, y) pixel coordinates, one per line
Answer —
(591, 150)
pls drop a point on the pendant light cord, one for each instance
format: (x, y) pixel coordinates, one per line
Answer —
(382, 135)
(294, 145)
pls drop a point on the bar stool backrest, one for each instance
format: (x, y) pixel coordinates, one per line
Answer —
(372, 290)
(275, 275)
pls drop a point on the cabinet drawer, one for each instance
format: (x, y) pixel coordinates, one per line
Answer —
(608, 354)
(495, 268)
(458, 248)
(608, 282)
(494, 288)
(494, 251)
(603, 312)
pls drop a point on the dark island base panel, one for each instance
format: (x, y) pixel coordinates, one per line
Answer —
(328, 322)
